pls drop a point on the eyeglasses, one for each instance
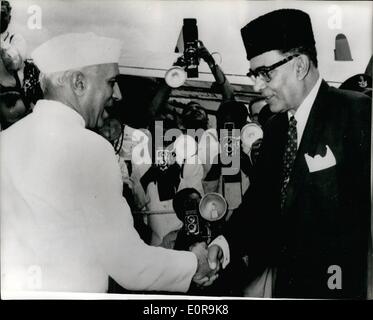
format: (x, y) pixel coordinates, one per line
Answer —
(264, 72)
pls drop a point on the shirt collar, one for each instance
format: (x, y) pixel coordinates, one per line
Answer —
(58, 108)
(305, 107)
(303, 111)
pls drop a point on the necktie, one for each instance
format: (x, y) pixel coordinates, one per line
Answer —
(289, 157)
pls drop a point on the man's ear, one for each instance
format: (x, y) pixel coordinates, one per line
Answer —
(79, 82)
(302, 65)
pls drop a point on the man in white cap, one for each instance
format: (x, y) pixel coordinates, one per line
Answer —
(64, 223)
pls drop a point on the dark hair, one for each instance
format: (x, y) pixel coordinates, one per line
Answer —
(181, 197)
(231, 111)
(7, 5)
(10, 98)
(309, 51)
(191, 103)
(177, 104)
(196, 117)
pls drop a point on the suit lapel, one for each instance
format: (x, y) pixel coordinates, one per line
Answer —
(309, 143)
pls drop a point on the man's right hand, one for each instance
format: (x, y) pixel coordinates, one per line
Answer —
(204, 275)
(205, 54)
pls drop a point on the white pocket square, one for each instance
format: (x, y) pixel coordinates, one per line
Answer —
(318, 162)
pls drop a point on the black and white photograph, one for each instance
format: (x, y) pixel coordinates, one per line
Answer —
(198, 149)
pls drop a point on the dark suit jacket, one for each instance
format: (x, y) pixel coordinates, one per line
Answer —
(326, 217)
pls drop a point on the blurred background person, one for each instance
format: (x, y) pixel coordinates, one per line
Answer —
(12, 51)
(12, 108)
(12, 56)
(259, 111)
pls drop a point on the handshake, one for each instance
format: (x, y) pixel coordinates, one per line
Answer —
(209, 263)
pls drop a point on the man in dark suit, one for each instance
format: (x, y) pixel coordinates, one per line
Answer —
(306, 215)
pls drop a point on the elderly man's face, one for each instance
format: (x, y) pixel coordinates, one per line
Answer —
(101, 91)
(279, 91)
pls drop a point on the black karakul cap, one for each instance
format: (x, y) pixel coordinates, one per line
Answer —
(283, 29)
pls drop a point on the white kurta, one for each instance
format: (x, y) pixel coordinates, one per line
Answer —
(64, 223)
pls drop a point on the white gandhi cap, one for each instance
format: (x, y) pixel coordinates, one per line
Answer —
(76, 50)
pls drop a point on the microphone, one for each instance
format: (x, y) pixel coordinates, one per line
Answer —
(175, 77)
(250, 134)
(212, 207)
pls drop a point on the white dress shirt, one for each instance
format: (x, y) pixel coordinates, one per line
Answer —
(303, 111)
(64, 223)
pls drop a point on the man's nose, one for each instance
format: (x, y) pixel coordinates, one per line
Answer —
(116, 92)
(259, 84)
